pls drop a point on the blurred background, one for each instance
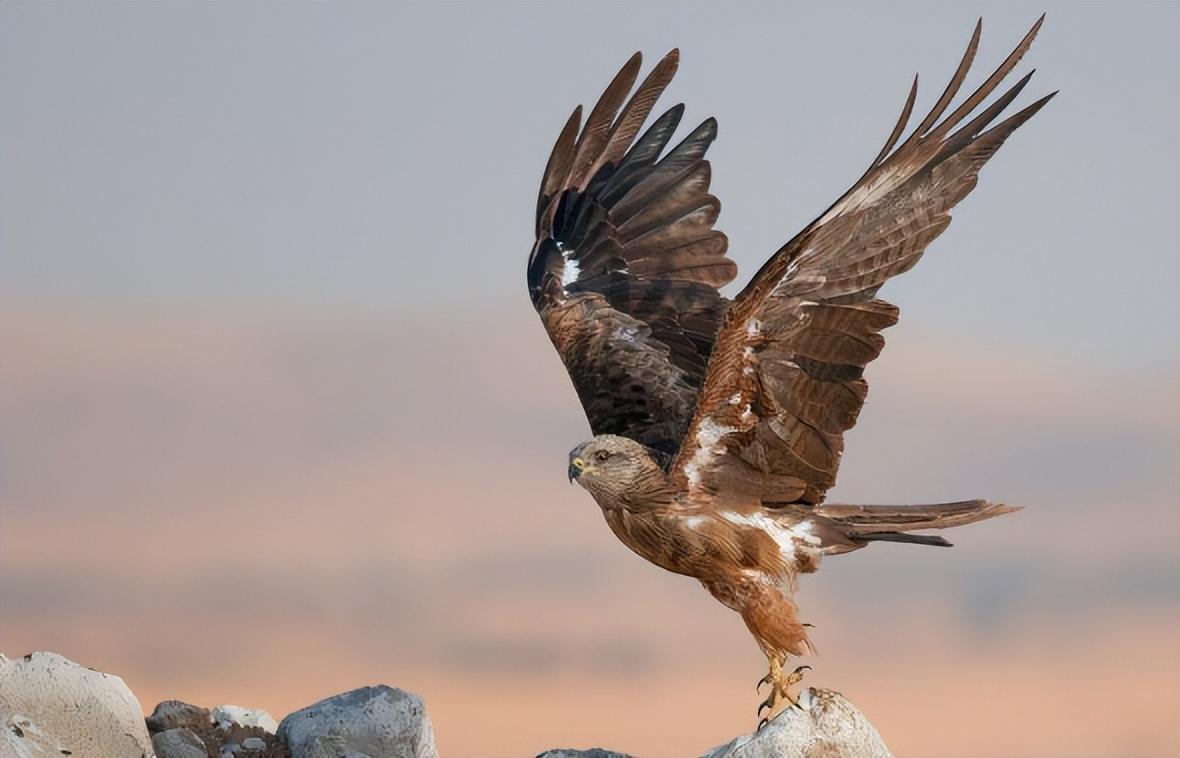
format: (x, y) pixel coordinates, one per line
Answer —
(277, 419)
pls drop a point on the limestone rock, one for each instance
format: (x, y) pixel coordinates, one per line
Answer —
(229, 716)
(178, 742)
(825, 725)
(50, 705)
(370, 722)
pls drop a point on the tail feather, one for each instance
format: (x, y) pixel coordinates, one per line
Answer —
(917, 539)
(891, 523)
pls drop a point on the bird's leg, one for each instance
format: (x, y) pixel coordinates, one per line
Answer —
(773, 678)
(780, 685)
(766, 679)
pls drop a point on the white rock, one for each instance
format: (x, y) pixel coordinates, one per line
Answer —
(11, 745)
(50, 705)
(825, 724)
(226, 716)
(371, 722)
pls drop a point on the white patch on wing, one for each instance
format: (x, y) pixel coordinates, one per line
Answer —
(735, 398)
(694, 522)
(708, 445)
(788, 538)
(753, 327)
(570, 270)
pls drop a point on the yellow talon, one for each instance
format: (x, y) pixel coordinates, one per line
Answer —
(779, 688)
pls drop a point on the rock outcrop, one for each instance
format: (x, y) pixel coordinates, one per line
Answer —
(180, 729)
(51, 706)
(179, 742)
(171, 714)
(372, 722)
(824, 725)
(227, 717)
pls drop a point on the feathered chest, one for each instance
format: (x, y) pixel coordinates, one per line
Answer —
(707, 544)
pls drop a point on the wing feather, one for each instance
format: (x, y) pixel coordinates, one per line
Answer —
(596, 133)
(557, 169)
(626, 268)
(952, 87)
(786, 377)
(637, 109)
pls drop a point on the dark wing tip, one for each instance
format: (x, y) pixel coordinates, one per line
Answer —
(1030, 110)
(709, 126)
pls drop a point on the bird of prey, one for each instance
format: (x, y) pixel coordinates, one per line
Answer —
(718, 424)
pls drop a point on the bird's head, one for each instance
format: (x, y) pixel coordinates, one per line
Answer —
(611, 466)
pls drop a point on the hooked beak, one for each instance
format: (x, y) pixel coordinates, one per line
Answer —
(577, 465)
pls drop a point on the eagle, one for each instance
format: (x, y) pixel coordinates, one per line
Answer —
(718, 424)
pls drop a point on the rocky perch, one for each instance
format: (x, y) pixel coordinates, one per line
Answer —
(51, 706)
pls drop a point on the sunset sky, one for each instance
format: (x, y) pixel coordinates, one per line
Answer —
(277, 419)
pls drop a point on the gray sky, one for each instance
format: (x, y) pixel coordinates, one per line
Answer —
(386, 156)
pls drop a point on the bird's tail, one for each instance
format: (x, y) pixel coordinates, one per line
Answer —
(892, 523)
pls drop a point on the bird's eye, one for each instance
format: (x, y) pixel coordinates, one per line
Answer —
(601, 456)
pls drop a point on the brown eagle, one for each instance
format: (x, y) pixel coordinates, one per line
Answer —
(719, 424)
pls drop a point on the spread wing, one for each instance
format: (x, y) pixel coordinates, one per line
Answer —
(626, 267)
(786, 377)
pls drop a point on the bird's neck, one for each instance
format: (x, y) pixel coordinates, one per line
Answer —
(646, 493)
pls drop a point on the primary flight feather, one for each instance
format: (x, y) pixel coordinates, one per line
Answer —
(719, 424)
